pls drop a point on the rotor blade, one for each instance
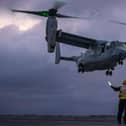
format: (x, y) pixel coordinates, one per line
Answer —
(58, 5)
(39, 13)
(117, 22)
(65, 16)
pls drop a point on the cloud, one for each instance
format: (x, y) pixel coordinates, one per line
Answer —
(9, 18)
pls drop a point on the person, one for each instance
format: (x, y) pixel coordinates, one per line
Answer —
(122, 102)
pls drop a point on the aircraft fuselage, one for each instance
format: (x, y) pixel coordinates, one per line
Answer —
(102, 59)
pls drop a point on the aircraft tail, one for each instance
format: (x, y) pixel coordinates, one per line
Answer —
(58, 56)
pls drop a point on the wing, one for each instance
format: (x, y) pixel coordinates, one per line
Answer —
(74, 40)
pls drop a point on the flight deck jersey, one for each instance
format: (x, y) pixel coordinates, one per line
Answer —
(122, 94)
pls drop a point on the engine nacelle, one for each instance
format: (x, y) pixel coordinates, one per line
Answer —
(51, 29)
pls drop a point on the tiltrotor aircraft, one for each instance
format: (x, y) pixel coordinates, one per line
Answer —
(100, 55)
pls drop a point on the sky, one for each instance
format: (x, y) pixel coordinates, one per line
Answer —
(31, 83)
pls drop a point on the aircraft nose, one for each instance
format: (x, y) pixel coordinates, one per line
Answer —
(122, 50)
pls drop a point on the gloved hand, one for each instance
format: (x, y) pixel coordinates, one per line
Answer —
(109, 83)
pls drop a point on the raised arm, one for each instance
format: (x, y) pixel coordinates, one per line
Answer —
(116, 88)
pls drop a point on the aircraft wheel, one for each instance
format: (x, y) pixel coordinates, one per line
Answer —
(109, 73)
(83, 70)
(79, 70)
(120, 62)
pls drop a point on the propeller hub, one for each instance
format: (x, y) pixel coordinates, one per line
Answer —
(52, 12)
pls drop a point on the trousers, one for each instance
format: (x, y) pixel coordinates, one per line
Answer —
(121, 110)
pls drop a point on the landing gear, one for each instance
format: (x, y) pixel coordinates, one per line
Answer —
(81, 68)
(120, 62)
(109, 73)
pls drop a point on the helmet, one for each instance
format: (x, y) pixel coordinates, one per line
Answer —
(124, 82)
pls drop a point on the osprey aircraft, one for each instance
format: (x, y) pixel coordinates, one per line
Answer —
(100, 54)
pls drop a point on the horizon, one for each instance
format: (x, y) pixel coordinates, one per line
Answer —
(31, 83)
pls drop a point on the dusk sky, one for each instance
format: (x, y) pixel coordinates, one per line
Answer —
(31, 83)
